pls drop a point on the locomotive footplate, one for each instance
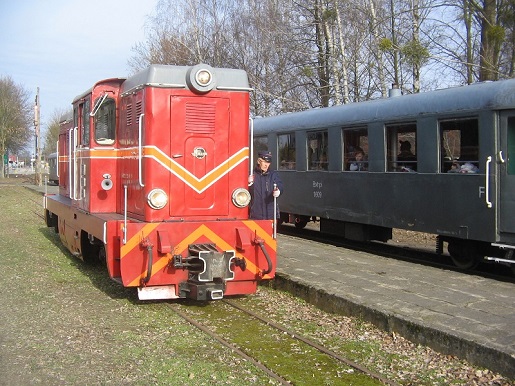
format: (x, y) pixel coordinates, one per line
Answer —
(209, 270)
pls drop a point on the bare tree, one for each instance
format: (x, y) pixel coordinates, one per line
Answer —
(183, 32)
(343, 53)
(492, 34)
(52, 132)
(314, 53)
(15, 117)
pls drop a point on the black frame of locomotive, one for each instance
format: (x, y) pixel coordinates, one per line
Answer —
(460, 185)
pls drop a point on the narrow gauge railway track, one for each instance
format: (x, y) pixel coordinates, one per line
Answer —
(27, 196)
(418, 255)
(285, 356)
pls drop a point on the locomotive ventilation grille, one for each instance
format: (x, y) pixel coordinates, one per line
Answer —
(200, 118)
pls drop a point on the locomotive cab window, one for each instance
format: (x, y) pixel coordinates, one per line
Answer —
(286, 144)
(105, 122)
(355, 145)
(459, 143)
(401, 150)
(81, 121)
(85, 123)
(317, 150)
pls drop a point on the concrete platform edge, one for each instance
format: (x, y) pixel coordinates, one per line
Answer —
(473, 352)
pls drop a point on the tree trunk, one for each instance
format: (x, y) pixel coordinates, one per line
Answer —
(489, 52)
(345, 74)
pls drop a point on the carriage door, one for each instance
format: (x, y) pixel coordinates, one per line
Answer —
(506, 157)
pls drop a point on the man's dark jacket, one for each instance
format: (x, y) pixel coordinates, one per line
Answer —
(262, 204)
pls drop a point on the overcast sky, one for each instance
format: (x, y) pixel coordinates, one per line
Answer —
(65, 46)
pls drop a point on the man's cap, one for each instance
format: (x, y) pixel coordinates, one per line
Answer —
(265, 155)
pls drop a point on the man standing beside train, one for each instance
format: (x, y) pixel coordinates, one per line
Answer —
(264, 185)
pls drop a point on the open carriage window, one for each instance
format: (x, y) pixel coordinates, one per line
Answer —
(317, 150)
(401, 149)
(286, 143)
(105, 122)
(459, 143)
(355, 149)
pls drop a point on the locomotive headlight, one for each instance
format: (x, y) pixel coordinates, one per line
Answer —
(157, 199)
(203, 77)
(241, 197)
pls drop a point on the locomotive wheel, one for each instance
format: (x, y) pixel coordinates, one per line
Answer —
(102, 255)
(90, 251)
(464, 254)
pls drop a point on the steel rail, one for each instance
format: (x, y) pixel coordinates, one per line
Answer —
(313, 344)
(218, 338)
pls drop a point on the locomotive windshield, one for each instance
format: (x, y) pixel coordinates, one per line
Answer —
(105, 122)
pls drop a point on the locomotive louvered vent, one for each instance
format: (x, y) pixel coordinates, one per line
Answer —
(200, 118)
(129, 114)
(138, 108)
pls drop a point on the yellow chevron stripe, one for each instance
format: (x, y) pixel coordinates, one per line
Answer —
(202, 230)
(134, 241)
(197, 184)
(266, 236)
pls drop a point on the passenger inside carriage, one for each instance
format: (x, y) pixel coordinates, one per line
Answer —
(358, 164)
(407, 160)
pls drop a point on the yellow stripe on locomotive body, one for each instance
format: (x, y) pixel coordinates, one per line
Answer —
(197, 184)
(153, 152)
(153, 182)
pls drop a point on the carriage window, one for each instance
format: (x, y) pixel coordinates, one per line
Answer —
(355, 145)
(317, 150)
(286, 144)
(401, 149)
(511, 146)
(260, 143)
(459, 142)
(105, 121)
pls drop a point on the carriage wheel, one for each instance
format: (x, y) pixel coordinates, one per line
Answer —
(300, 222)
(464, 254)
(510, 255)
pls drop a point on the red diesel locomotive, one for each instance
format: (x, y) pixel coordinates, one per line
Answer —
(153, 182)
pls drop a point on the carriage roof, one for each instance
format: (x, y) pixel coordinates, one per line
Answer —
(497, 95)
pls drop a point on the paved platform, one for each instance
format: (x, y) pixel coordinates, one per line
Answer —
(454, 313)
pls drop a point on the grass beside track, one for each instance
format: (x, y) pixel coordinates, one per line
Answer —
(66, 323)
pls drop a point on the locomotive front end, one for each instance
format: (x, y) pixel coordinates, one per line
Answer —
(184, 175)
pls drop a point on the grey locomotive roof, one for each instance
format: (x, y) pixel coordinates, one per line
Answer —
(479, 96)
(160, 75)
